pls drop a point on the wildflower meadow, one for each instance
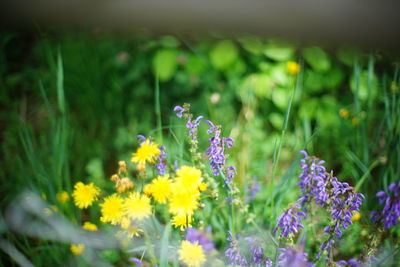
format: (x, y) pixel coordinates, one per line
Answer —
(172, 151)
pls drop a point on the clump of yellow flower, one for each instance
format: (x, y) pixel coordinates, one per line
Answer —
(148, 151)
(188, 177)
(89, 226)
(112, 209)
(185, 195)
(77, 249)
(62, 197)
(137, 206)
(191, 254)
(293, 67)
(183, 203)
(159, 189)
(85, 194)
(182, 221)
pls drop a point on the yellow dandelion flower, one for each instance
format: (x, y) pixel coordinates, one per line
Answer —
(77, 249)
(85, 194)
(148, 189)
(356, 216)
(344, 113)
(89, 226)
(203, 187)
(137, 206)
(112, 209)
(147, 152)
(183, 203)
(161, 189)
(188, 177)
(191, 254)
(293, 67)
(182, 221)
(62, 197)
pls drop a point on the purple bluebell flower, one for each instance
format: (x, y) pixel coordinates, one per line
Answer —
(179, 111)
(202, 237)
(290, 221)
(293, 257)
(389, 216)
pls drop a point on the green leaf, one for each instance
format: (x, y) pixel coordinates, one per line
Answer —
(164, 64)
(195, 65)
(276, 119)
(313, 81)
(317, 59)
(252, 44)
(281, 97)
(223, 55)
(164, 246)
(278, 51)
(333, 78)
(363, 87)
(280, 75)
(259, 83)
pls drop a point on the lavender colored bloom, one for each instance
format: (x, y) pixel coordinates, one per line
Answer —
(179, 111)
(212, 127)
(141, 138)
(351, 263)
(234, 254)
(192, 125)
(216, 152)
(203, 238)
(293, 257)
(290, 221)
(268, 262)
(161, 168)
(137, 261)
(256, 251)
(390, 213)
(246, 252)
(313, 180)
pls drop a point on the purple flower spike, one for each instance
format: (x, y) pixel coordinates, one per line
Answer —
(290, 221)
(390, 214)
(179, 111)
(293, 257)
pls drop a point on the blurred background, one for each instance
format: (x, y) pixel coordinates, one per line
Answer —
(74, 97)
